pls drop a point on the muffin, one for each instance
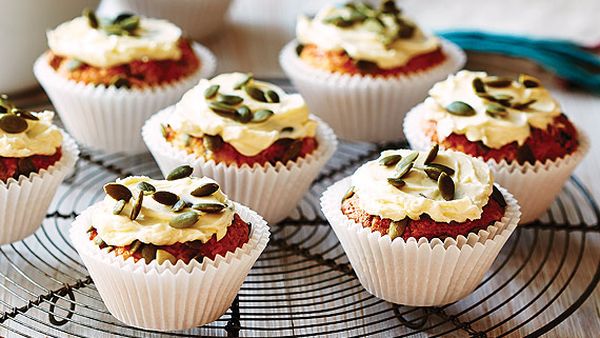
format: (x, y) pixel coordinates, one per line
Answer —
(362, 68)
(150, 239)
(421, 228)
(35, 157)
(260, 143)
(107, 76)
(515, 125)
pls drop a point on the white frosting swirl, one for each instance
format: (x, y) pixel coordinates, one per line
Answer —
(152, 224)
(40, 138)
(364, 41)
(155, 40)
(473, 185)
(493, 132)
(193, 116)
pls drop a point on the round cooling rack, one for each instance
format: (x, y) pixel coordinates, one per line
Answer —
(303, 285)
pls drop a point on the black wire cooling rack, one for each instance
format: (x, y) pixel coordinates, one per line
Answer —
(303, 285)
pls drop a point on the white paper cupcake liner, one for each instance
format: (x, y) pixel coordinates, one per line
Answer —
(109, 119)
(272, 190)
(197, 18)
(418, 272)
(365, 108)
(169, 297)
(24, 202)
(535, 186)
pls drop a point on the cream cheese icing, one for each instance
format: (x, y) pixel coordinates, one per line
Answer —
(40, 138)
(420, 195)
(152, 224)
(494, 132)
(154, 40)
(290, 119)
(367, 40)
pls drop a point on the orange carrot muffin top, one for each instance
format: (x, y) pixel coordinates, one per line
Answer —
(247, 115)
(382, 38)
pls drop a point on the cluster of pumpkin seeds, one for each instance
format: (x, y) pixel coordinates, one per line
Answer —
(232, 106)
(435, 171)
(125, 24)
(496, 105)
(185, 218)
(373, 19)
(12, 119)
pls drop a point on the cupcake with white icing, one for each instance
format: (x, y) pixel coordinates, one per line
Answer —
(106, 76)
(260, 143)
(421, 228)
(362, 68)
(148, 240)
(514, 124)
(35, 157)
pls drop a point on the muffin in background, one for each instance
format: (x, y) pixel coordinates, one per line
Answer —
(260, 143)
(35, 157)
(106, 76)
(421, 228)
(361, 68)
(148, 242)
(514, 124)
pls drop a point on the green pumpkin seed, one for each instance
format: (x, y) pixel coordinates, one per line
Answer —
(498, 197)
(13, 124)
(26, 115)
(25, 166)
(185, 220)
(299, 49)
(205, 190)
(389, 7)
(165, 198)
(163, 130)
(406, 162)
(212, 143)
(211, 91)
(147, 188)
(292, 152)
(525, 155)
(396, 182)
(209, 208)
(271, 96)
(148, 253)
(122, 17)
(163, 256)
(179, 206)
(249, 77)
(262, 115)
(349, 193)
(446, 186)
(432, 154)
(137, 206)
(524, 105)
(131, 23)
(287, 130)
(244, 114)
(442, 167)
(338, 21)
(180, 172)
(134, 247)
(496, 110)
(495, 82)
(255, 93)
(432, 172)
(478, 85)
(118, 192)
(390, 160)
(91, 18)
(528, 82)
(231, 100)
(460, 108)
(119, 206)
(397, 228)
(223, 110)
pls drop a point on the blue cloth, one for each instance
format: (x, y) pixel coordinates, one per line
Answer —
(566, 59)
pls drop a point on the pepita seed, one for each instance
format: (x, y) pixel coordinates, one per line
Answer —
(528, 81)
(137, 206)
(163, 256)
(287, 130)
(262, 115)
(212, 143)
(209, 208)
(26, 115)
(231, 100)
(179, 206)
(498, 82)
(180, 172)
(524, 105)
(91, 18)
(255, 93)
(118, 207)
(432, 172)
(460, 108)
(146, 187)
(148, 253)
(406, 161)
(272, 96)
(122, 17)
(118, 192)
(397, 228)
(496, 110)
(525, 155)
(223, 110)
(134, 247)
(131, 23)
(498, 197)
(478, 85)
(390, 160)
(205, 190)
(244, 114)
(13, 124)
(292, 152)
(349, 193)
(432, 154)
(446, 186)
(185, 220)
(403, 168)
(449, 171)
(396, 182)
(163, 130)
(211, 91)
(249, 77)
(165, 198)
